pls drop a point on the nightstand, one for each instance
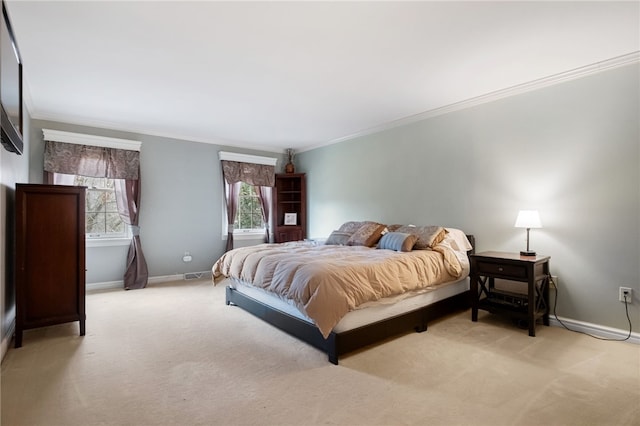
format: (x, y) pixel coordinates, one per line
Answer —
(533, 271)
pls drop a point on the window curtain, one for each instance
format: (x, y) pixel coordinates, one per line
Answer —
(120, 164)
(235, 172)
(128, 199)
(92, 161)
(231, 192)
(264, 197)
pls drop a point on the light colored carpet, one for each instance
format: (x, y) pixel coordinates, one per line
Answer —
(175, 354)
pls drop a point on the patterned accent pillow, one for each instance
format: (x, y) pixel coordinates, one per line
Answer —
(367, 235)
(428, 236)
(352, 226)
(338, 238)
(397, 241)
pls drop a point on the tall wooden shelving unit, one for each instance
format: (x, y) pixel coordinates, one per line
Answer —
(290, 197)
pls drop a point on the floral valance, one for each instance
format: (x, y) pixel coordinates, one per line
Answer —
(253, 174)
(93, 161)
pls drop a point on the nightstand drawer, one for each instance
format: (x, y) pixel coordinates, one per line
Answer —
(514, 271)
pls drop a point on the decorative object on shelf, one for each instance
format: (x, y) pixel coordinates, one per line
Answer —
(289, 167)
(290, 218)
(528, 219)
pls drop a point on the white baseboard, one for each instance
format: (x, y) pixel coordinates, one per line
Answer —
(120, 284)
(580, 326)
(104, 285)
(595, 329)
(165, 278)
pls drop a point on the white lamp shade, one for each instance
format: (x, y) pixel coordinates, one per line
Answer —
(528, 219)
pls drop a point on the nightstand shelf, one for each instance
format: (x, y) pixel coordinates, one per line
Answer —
(504, 300)
(530, 305)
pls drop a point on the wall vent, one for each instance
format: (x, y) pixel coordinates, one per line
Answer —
(197, 275)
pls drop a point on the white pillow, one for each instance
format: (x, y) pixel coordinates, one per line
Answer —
(458, 240)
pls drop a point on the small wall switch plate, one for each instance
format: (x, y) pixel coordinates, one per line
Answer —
(629, 294)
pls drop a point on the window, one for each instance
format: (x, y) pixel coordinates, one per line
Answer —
(249, 211)
(102, 219)
(240, 169)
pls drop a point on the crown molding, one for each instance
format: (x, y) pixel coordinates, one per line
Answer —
(84, 139)
(246, 158)
(574, 74)
(143, 131)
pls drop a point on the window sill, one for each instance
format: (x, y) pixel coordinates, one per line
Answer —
(246, 236)
(107, 242)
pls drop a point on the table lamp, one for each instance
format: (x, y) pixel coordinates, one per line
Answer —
(528, 219)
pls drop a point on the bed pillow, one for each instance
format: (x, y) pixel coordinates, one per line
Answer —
(338, 238)
(459, 240)
(367, 235)
(428, 236)
(397, 241)
(352, 226)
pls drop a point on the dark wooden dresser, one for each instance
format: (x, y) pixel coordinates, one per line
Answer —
(50, 256)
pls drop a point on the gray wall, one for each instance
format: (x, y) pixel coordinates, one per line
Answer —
(180, 206)
(570, 150)
(13, 169)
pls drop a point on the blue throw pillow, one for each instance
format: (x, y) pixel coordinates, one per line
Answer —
(397, 241)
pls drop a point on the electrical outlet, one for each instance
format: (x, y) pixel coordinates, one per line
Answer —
(554, 281)
(625, 291)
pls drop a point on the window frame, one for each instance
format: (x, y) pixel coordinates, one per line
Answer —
(241, 231)
(241, 234)
(91, 240)
(126, 234)
(238, 234)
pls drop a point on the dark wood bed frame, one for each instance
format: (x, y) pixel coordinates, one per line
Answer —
(340, 343)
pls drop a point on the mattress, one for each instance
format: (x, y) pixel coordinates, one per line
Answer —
(369, 312)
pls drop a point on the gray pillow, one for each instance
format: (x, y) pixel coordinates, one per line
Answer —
(428, 236)
(397, 241)
(367, 235)
(338, 238)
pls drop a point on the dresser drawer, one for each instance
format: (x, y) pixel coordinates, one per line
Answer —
(514, 271)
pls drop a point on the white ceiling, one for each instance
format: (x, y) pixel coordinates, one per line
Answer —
(273, 75)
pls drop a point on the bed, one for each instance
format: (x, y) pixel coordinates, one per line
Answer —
(381, 289)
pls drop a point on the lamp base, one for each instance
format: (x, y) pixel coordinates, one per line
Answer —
(527, 253)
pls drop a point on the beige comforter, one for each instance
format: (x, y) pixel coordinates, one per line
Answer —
(327, 281)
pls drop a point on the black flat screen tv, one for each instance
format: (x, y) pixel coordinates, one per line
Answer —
(10, 87)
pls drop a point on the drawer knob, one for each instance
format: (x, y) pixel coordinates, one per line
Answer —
(500, 269)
